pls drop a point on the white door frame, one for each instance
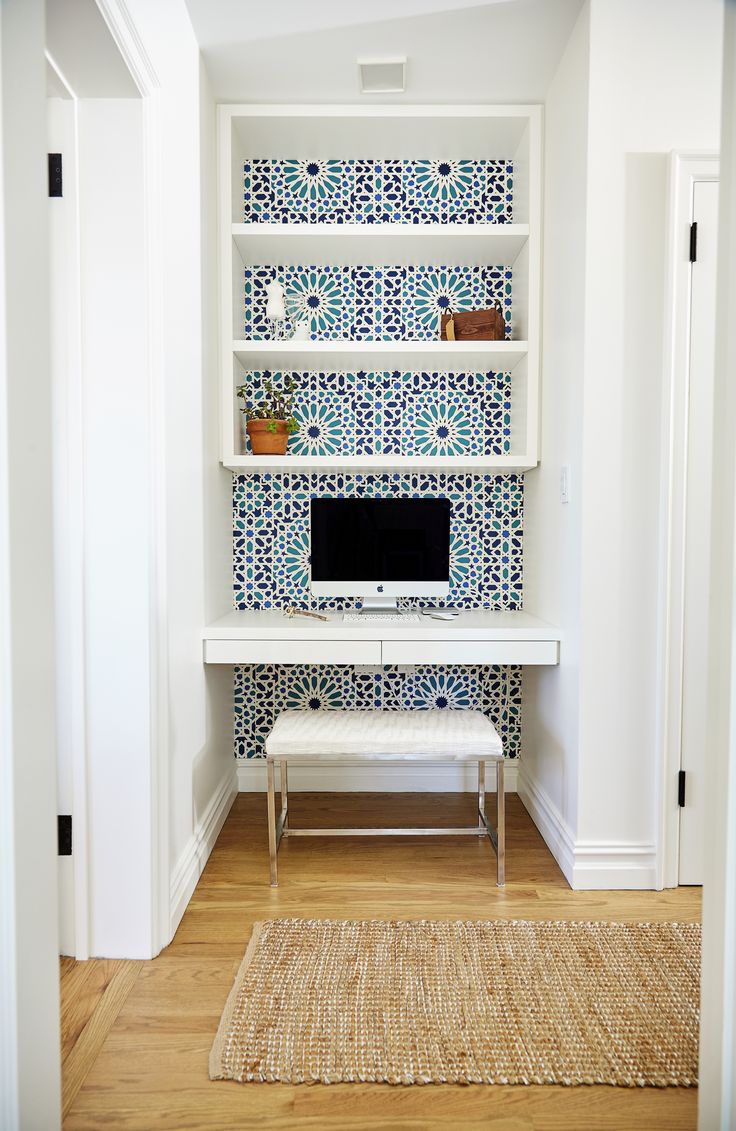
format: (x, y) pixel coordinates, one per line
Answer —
(126, 37)
(69, 529)
(685, 170)
(123, 32)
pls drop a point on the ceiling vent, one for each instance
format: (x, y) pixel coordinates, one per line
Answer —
(382, 76)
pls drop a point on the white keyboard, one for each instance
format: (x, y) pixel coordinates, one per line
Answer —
(383, 618)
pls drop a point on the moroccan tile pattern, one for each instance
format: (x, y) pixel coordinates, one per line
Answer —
(380, 413)
(390, 303)
(328, 191)
(396, 413)
(271, 535)
(263, 691)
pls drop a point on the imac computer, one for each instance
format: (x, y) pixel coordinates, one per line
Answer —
(380, 549)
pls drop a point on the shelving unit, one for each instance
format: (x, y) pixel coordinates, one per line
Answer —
(442, 132)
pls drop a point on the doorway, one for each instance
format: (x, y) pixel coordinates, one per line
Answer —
(101, 364)
(687, 445)
(691, 784)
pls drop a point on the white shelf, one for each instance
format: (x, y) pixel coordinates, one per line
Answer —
(380, 244)
(491, 465)
(346, 356)
(372, 132)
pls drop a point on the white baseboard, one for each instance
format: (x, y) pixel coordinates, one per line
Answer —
(196, 854)
(389, 777)
(555, 831)
(588, 865)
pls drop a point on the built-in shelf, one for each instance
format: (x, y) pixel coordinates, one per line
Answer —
(496, 357)
(380, 244)
(510, 133)
(491, 465)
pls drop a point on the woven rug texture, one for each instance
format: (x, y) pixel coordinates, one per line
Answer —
(400, 1002)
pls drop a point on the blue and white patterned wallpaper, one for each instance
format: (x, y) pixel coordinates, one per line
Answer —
(396, 304)
(271, 535)
(262, 691)
(315, 190)
(396, 413)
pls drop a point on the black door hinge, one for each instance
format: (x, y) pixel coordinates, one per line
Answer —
(681, 788)
(693, 241)
(55, 174)
(65, 835)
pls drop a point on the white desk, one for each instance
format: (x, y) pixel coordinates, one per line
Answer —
(477, 637)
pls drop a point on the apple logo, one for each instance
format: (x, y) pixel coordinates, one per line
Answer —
(379, 589)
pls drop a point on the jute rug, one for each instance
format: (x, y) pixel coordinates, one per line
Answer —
(483, 1003)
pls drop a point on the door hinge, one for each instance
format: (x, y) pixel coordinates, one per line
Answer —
(681, 788)
(65, 835)
(693, 241)
(55, 186)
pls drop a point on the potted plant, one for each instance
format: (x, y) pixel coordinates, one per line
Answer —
(270, 423)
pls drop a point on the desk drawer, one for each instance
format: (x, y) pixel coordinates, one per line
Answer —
(470, 652)
(292, 652)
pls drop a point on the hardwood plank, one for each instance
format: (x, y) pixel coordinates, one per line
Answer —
(66, 965)
(82, 987)
(84, 1052)
(150, 1069)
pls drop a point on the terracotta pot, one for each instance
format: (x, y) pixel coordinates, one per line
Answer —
(265, 443)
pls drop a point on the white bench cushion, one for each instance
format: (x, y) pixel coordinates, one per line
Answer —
(453, 736)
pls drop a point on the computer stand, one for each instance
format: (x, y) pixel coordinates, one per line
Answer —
(379, 604)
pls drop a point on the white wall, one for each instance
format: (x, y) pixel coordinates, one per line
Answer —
(552, 531)
(29, 971)
(194, 493)
(639, 108)
(717, 1091)
(116, 532)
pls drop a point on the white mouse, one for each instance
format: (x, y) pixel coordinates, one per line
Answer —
(443, 614)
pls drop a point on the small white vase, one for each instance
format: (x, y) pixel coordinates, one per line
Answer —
(301, 332)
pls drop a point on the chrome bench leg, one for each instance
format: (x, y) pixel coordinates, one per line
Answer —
(481, 793)
(272, 845)
(283, 774)
(500, 826)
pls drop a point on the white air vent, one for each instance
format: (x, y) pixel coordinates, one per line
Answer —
(382, 76)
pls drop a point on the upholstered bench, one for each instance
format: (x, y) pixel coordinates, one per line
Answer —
(382, 736)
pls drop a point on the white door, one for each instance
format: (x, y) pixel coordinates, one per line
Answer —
(697, 532)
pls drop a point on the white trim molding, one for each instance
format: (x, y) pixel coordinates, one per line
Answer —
(391, 777)
(588, 865)
(554, 829)
(133, 51)
(190, 864)
(685, 170)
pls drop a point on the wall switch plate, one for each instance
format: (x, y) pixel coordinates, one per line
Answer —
(564, 484)
(368, 669)
(407, 669)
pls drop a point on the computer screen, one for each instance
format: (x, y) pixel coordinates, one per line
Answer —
(392, 546)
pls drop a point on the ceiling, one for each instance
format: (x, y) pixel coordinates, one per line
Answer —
(458, 50)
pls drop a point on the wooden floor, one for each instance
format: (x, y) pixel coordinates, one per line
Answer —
(136, 1036)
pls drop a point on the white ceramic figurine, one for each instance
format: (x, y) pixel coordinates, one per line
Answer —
(276, 308)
